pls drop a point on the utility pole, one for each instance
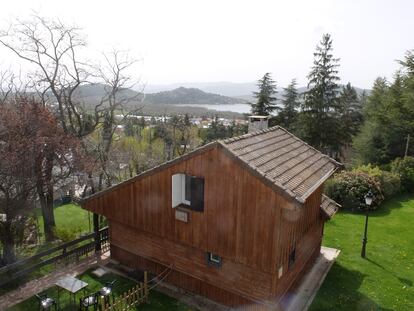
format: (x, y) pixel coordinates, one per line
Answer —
(407, 145)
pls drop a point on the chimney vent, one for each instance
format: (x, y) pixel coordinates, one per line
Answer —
(257, 123)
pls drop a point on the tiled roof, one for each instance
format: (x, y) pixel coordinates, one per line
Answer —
(285, 160)
(329, 206)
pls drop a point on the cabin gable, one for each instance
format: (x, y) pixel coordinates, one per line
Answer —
(240, 218)
(249, 230)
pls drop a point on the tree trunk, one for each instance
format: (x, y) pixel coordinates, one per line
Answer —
(9, 254)
(49, 224)
(45, 193)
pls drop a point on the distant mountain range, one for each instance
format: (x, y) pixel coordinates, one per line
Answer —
(179, 96)
(190, 96)
(237, 90)
(171, 101)
(223, 88)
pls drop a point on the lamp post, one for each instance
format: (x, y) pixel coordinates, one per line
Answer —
(368, 201)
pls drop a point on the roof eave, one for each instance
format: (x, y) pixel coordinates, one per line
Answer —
(320, 182)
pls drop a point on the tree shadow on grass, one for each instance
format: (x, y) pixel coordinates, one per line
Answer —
(402, 280)
(340, 291)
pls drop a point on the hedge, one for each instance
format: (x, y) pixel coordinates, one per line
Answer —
(404, 168)
(349, 188)
(390, 183)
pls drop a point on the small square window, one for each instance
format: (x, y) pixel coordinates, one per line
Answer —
(213, 259)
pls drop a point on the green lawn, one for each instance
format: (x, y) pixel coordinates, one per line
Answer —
(157, 300)
(71, 220)
(382, 281)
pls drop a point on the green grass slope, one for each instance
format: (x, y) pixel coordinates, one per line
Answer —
(71, 220)
(382, 281)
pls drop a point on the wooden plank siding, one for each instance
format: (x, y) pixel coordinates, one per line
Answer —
(239, 278)
(302, 229)
(251, 226)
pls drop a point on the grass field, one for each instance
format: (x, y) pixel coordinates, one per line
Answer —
(157, 300)
(70, 219)
(382, 281)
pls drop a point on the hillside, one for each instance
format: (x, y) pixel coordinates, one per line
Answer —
(187, 96)
(179, 96)
(235, 90)
(166, 103)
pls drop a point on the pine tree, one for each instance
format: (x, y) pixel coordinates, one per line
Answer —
(351, 113)
(266, 100)
(388, 118)
(288, 114)
(320, 120)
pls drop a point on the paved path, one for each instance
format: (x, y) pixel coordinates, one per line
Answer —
(303, 295)
(38, 285)
(313, 280)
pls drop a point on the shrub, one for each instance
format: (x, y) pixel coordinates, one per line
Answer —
(67, 234)
(404, 167)
(349, 189)
(390, 182)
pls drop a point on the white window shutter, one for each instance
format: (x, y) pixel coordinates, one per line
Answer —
(177, 192)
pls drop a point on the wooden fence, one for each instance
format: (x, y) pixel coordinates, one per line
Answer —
(130, 299)
(66, 253)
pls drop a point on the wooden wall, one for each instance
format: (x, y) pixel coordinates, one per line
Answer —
(244, 221)
(188, 282)
(301, 229)
(240, 279)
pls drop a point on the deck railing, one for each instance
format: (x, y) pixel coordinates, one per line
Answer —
(66, 253)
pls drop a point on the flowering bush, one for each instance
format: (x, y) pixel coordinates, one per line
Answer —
(348, 188)
(390, 182)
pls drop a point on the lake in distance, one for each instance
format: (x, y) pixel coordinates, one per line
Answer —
(240, 108)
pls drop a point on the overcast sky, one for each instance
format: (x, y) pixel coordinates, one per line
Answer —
(238, 41)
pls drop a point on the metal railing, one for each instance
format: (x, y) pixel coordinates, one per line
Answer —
(65, 253)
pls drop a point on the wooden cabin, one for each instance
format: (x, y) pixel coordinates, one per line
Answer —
(238, 221)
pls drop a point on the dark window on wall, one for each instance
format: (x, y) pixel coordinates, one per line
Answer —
(292, 258)
(188, 192)
(188, 188)
(197, 194)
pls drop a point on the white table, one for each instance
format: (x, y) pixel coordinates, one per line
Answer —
(72, 285)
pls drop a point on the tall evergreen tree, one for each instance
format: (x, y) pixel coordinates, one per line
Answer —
(266, 96)
(320, 122)
(351, 113)
(216, 130)
(389, 115)
(288, 114)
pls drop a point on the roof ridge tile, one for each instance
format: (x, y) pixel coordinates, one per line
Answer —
(252, 134)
